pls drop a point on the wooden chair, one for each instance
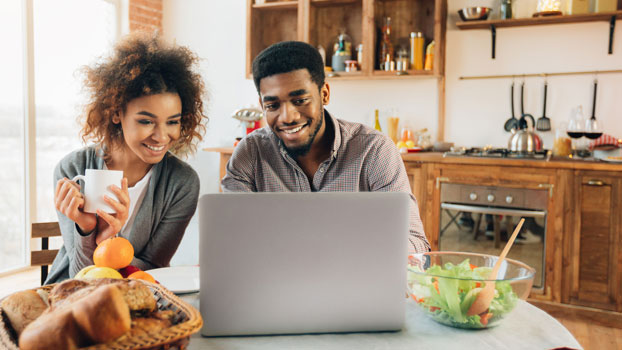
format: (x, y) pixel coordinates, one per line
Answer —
(45, 256)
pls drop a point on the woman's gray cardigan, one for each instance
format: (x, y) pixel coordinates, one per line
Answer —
(160, 223)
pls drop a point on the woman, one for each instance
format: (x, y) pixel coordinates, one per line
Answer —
(146, 105)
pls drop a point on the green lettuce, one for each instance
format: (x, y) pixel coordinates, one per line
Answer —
(447, 300)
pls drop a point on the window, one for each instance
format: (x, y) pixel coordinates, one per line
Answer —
(67, 35)
(12, 200)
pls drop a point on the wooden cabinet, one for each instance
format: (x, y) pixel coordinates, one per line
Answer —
(319, 22)
(438, 176)
(595, 255)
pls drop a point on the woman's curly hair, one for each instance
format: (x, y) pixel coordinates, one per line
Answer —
(141, 65)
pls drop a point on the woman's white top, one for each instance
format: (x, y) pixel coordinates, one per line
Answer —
(137, 193)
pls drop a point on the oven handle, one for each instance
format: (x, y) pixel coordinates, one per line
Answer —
(494, 211)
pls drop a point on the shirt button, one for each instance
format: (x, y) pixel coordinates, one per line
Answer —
(321, 169)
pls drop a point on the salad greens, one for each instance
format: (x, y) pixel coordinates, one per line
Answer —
(447, 300)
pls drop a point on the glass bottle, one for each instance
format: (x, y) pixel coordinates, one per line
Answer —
(506, 9)
(386, 47)
(377, 122)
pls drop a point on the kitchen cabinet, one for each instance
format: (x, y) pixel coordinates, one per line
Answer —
(318, 22)
(594, 256)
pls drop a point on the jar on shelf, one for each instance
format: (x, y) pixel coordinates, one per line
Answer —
(342, 51)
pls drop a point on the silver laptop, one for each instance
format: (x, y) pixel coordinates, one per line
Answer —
(292, 263)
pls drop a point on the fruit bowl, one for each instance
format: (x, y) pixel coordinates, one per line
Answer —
(445, 284)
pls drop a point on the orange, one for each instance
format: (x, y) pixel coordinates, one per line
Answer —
(115, 252)
(142, 275)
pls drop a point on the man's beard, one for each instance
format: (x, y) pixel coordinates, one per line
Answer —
(302, 150)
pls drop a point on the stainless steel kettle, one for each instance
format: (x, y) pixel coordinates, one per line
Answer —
(524, 140)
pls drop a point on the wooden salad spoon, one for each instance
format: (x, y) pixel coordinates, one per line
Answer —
(483, 299)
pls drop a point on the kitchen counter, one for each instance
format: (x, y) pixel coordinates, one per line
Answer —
(438, 157)
(554, 163)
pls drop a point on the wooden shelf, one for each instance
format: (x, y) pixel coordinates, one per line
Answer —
(277, 5)
(327, 3)
(521, 22)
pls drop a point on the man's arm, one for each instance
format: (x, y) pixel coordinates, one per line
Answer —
(240, 175)
(386, 173)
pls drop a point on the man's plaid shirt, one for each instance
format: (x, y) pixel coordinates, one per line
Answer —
(362, 160)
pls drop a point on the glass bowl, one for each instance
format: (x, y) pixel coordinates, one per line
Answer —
(445, 284)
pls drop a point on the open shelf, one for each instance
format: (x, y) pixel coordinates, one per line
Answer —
(521, 22)
(277, 5)
(321, 3)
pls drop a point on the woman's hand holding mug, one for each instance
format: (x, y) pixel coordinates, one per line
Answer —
(70, 202)
(97, 199)
(109, 225)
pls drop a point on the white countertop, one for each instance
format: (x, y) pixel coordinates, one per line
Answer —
(526, 327)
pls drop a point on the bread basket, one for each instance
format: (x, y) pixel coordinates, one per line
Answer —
(187, 320)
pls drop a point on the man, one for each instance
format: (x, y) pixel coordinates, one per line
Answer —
(304, 148)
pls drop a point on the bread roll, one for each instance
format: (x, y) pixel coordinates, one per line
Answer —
(103, 315)
(52, 330)
(22, 308)
(64, 289)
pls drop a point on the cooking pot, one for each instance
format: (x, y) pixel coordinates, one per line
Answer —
(524, 140)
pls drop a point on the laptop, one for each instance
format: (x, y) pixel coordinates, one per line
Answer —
(294, 263)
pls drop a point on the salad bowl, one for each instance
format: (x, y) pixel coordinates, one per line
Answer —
(445, 284)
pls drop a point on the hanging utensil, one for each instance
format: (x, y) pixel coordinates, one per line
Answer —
(593, 129)
(511, 123)
(522, 122)
(594, 101)
(544, 123)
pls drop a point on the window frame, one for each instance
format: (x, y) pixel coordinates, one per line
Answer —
(29, 183)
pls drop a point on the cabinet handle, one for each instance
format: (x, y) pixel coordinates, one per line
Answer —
(439, 180)
(401, 72)
(595, 183)
(550, 188)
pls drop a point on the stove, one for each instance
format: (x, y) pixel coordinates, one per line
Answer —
(489, 152)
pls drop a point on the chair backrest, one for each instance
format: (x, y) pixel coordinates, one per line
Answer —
(45, 256)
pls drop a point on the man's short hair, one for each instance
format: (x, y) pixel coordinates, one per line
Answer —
(288, 56)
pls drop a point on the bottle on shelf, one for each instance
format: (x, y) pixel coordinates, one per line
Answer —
(341, 54)
(386, 47)
(429, 57)
(506, 9)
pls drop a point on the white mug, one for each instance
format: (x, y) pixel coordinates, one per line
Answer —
(96, 185)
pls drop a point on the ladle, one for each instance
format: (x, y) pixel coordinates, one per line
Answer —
(485, 296)
(511, 123)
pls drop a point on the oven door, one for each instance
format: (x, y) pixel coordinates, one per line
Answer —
(485, 229)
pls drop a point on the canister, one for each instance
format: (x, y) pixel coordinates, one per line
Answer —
(575, 7)
(416, 50)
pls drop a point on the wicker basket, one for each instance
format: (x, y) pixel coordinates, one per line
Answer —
(187, 320)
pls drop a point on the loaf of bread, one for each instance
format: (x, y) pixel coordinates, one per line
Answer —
(65, 292)
(97, 317)
(53, 330)
(145, 325)
(103, 315)
(22, 308)
(137, 296)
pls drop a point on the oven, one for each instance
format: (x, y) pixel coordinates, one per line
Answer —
(479, 219)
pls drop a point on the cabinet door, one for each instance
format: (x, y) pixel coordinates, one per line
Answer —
(596, 239)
